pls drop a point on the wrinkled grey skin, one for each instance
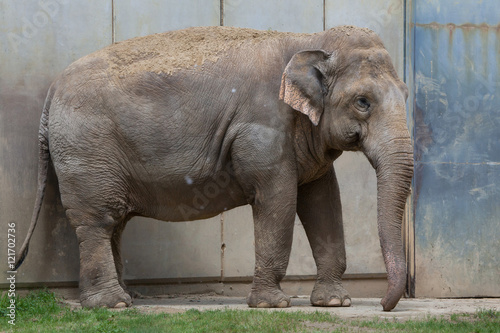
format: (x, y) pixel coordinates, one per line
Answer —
(259, 127)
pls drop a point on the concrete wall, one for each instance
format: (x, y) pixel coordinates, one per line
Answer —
(40, 38)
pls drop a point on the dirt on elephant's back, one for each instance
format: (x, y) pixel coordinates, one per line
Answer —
(170, 51)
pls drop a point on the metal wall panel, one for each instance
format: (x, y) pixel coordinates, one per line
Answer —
(358, 190)
(356, 176)
(155, 249)
(164, 250)
(140, 18)
(38, 39)
(385, 17)
(456, 12)
(295, 16)
(455, 51)
(222, 246)
(281, 15)
(457, 148)
(357, 180)
(239, 246)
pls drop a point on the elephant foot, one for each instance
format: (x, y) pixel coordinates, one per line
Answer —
(332, 294)
(110, 298)
(268, 299)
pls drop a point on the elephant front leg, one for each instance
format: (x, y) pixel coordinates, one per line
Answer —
(320, 211)
(273, 222)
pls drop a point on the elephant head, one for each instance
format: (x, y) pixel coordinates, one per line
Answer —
(356, 101)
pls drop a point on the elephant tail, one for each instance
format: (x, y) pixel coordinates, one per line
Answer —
(43, 164)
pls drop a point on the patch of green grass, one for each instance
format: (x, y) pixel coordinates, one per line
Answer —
(487, 314)
(34, 306)
(482, 321)
(226, 321)
(41, 311)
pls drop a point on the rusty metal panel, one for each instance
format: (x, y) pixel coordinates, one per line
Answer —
(139, 18)
(457, 148)
(38, 39)
(457, 12)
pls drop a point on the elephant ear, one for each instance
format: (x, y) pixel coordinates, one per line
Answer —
(302, 83)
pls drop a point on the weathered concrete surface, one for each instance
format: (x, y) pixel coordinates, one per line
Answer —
(362, 308)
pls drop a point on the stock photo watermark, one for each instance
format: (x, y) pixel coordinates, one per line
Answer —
(11, 273)
(31, 25)
(210, 191)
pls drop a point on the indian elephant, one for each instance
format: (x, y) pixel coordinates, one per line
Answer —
(142, 127)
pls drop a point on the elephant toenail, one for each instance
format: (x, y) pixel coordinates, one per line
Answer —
(283, 304)
(263, 305)
(346, 302)
(120, 305)
(335, 302)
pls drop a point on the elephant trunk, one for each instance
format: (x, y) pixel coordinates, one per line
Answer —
(393, 162)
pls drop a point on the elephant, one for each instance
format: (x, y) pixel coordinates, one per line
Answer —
(186, 124)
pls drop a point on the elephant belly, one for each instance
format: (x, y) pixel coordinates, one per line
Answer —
(193, 199)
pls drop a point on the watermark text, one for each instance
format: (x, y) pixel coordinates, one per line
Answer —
(11, 273)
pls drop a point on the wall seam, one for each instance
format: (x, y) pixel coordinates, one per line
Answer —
(408, 58)
(221, 13)
(222, 244)
(405, 48)
(112, 21)
(324, 15)
(222, 247)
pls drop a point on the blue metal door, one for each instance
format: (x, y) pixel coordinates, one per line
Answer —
(455, 66)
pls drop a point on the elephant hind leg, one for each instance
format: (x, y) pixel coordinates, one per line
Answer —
(116, 239)
(99, 284)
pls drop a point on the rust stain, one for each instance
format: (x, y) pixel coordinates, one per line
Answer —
(470, 31)
(450, 44)
(485, 51)
(452, 26)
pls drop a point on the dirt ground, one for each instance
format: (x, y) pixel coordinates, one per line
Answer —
(362, 308)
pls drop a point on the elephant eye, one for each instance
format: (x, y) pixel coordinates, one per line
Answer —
(362, 104)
